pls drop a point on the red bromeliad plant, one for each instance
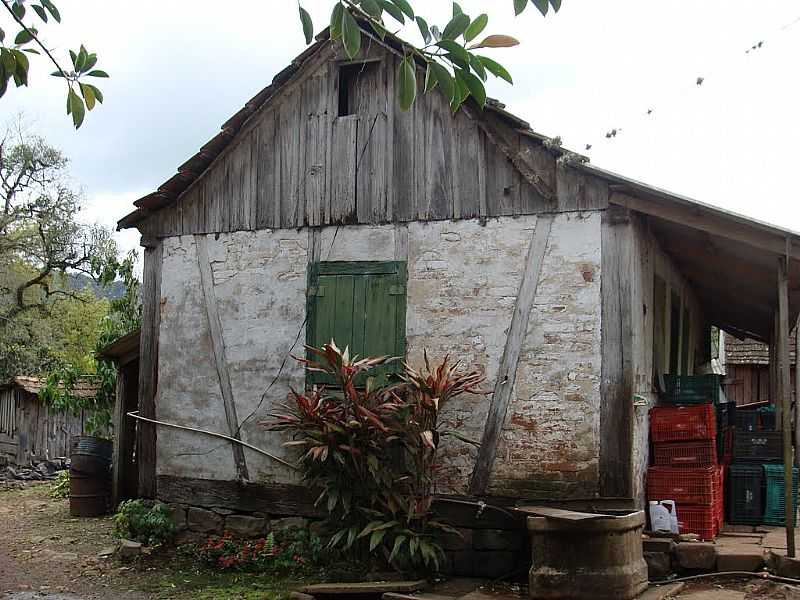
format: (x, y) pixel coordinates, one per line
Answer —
(371, 450)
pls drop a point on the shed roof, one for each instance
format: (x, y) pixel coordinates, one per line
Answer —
(122, 349)
(751, 352)
(705, 242)
(84, 388)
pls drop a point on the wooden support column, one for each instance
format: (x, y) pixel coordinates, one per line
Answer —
(797, 394)
(507, 372)
(774, 375)
(785, 388)
(220, 361)
(616, 378)
(148, 366)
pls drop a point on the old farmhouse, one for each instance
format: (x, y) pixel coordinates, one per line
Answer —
(322, 210)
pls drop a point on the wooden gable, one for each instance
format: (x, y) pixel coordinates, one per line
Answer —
(297, 161)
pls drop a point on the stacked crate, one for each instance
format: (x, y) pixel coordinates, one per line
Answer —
(685, 466)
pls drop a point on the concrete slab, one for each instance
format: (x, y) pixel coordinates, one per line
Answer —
(713, 595)
(662, 592)
(348, 590)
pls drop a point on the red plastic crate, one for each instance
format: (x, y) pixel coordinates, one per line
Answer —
(727, 455)
(700, 486)
(682, 423)
(702, 453)
(721, 502)
(700, 520)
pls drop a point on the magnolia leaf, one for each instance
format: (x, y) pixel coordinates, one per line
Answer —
(405, 7)
(496, 41)
(75, 108)
(542, 5)
(393, 10)
(444, 78)
(23, 37)
(430, 80)
(351, 37)
(336, 21)
(41, 12)
(372, 9)
(457, 9)
(457, 52)
(406, 83)
(18, 8)
(476, 27)
(457, 25)
(495, 68)
(556, 4)
(97, 73)
(477, 66)
(308, 25)
(53, 10)
(519, 6)
(424, 30)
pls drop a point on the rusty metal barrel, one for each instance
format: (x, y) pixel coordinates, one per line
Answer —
(592, 558)
(89, 476)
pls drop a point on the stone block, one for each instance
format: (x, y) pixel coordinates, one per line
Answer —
(658, 545)
(288, 523)
(696, 556)
(659, 565)
(178, 514)
(784, 566)
(494, 564)
(452, 541)
(497, 539)
(204, 521)
(740, 558)
(128, 550)
(246, 527)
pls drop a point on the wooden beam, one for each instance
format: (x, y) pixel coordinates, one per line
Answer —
(797, 395)
(218, 347)
(699, 217)
(507, 371)
(786, 401)
(117, 470)
(616, 378)
(148, 371)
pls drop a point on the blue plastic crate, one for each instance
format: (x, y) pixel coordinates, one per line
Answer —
(775, 509)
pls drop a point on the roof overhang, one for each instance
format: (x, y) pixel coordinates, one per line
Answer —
(124, 350)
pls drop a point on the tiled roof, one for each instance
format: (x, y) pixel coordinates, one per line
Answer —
(84, 388)
(750, 352)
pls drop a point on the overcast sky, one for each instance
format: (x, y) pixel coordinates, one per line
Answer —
(180, 68)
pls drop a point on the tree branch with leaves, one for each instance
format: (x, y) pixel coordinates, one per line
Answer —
(447, 52)
(14, 63)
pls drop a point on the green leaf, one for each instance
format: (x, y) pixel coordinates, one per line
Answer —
(336, 21)
(393, 10)
(351, 35)
(476, 27)
(74, 58)
(2, 35)
(477, 66)
(53, 10)
(542, 5)
(496, 69)
(405, 7)
(456, 27)
(456, 50)
(476, 89)
(461, 91)
(519, 6)
(457, 9)
(556, 4)
(97, 73)
(444, 78)
(430, 79)
(91, 61)
(80, 62)
(22, 62)
(88, 97)
(18, 9)
(376, 538)
(398, 543)
(57, 74)
(8, 60)
(424, 30)
(406, 84)
(308, 25)
(23, 37)
(371, 8)
(31, 50)
(41, 12)
(76, 108)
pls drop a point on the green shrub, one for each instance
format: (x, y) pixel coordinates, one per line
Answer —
(60, 487)
(136, 521)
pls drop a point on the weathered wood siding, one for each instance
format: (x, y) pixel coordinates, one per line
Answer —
(30, 431)
(297, 162)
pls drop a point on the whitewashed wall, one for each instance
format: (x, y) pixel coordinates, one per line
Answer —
(463, 278)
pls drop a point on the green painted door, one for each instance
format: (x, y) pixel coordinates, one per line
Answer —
(359, 305)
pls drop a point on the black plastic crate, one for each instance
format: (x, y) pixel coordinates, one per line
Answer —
(745, 494)
(757, 446)
(767, 418)
(691, 389)
(747, 421)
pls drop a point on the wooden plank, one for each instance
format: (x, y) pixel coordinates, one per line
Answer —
(797, 394)
(439, 146)
(561, 514)
(502, 182)
(264, 163)
(288, 148)
(506, 374)
(616, 387)
(371, 182)
(344, 148)
(117, 469)
(785, 387)
(148, 371)
(218, 347)
(315, 146)
(403, 182)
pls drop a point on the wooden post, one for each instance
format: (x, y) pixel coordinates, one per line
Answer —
(775, 398)
(507, 371)
(785, 389)
(796, 392)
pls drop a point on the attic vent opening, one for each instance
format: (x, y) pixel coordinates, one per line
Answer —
(355, 83)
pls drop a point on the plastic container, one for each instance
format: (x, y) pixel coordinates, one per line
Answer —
(699, 486)
(702, 453)
(700, 520)
(662, 516)
(745, 494)
(692, 389)
(682, 423)
(775, 506)
(758, 447)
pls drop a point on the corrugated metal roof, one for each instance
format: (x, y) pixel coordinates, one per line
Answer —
(751, 352)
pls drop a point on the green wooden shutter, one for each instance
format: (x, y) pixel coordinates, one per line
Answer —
(361, 305)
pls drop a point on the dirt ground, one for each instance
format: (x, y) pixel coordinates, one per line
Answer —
(46, 554)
